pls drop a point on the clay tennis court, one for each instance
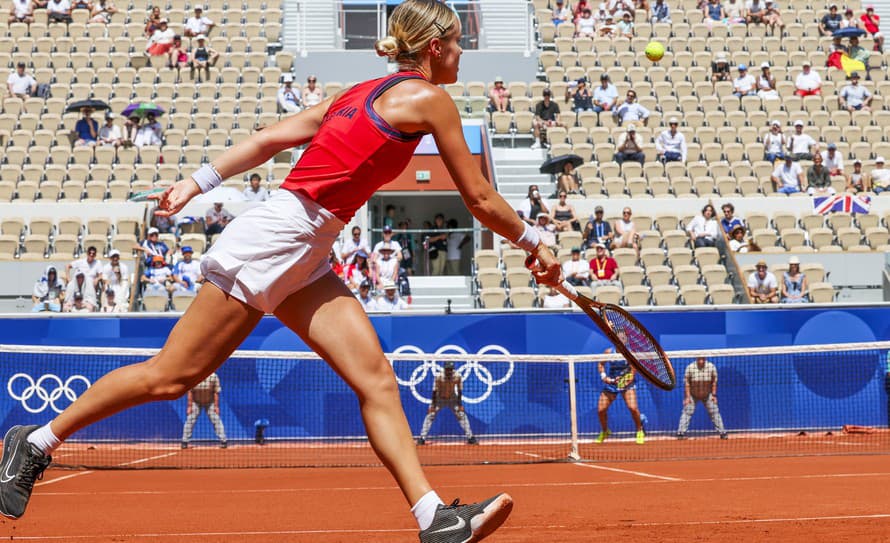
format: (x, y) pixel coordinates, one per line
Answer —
(808, 498)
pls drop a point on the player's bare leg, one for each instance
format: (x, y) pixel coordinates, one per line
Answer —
(602, 411)
(630, 398)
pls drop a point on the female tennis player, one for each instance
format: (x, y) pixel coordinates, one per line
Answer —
(274, 258)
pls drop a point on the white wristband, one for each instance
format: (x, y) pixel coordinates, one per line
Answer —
(529, 239)
(603, 375)
(207, 178)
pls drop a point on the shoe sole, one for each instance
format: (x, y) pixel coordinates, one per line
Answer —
(491, 518)
(7, 444)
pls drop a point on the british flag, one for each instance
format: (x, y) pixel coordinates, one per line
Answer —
(847, 203)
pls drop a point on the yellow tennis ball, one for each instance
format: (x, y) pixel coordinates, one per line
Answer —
(654, 51)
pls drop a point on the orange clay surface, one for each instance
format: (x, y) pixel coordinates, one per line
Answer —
(799, 499)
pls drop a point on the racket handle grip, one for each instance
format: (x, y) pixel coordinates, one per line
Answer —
(568, 290)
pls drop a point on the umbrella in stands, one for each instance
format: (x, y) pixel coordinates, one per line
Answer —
(141, 109)
(97, 105)
(849, 32)
(556, 164)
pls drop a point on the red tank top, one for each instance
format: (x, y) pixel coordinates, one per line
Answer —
(354, 152)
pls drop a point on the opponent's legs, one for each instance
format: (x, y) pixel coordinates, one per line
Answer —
(688, 411)
(216, 421)
(190, 420)
(630, 398)
(602, 409)
(319, 314)
(463, 420)
(428, 421)
(714, 412)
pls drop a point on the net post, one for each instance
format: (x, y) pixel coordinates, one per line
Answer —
(573, 411)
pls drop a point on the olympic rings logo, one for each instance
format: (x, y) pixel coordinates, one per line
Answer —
(48, 389)
(430, 367)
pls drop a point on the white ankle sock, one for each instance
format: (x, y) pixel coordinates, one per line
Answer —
(425, 509)
(44, 439)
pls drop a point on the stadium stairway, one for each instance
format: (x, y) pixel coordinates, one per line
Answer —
(312, 25)
(506, 26)
(882, 8)
(433, 293)
(516, 169)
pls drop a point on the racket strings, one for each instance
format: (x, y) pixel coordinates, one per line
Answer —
(640, 345)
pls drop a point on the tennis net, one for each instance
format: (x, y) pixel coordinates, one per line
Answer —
(289, 409)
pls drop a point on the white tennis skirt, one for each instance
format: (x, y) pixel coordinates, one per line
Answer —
(273, 250)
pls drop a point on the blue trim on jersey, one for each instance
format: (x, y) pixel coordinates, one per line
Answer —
(378, 121)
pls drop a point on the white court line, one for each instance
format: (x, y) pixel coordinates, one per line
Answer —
(63, 478)
(759, 520)
(149, 459)
(82, 473)
(616, 470)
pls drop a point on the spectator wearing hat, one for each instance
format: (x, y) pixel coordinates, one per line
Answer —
(597, 230)
(21, 11)
(546, 229)
(79, 305)
(831, 21)
(625, 26)
(116, 276)
(358, 271)
(766, 83)
(857, 180)
(82, 286)
(151, 246)
(774, 143)
(563, 214)
(762, 285)
(833, 160)
(364, 297)
(854, 97)
(871, 22)
(288, 96)
(58, 11)
(607, 28)
(388, 242)
(808, 82)
(818, 179)
(187, 277)
(48, 291)
(625, 231)
(737, 241)
(20, 83)
(498, 96)
(857, 52)
(390, 301)
(178, 57)
(110, 133)
(111, 304)
(772, 17)
(603, 268)
(156, 278)
(554, 299)
(660, 13)
(631, 111)
(582, 98)
(670, 145)
(216, 219)
(561, 13)
(704, 229)
(384, 264)
(744, 84)
(203, 57)
(801, 146)
(576, 271)
(161, 40)
(729, 220)
(456, 242)
(630, 146)
(149, 133)
(795, 289)
(198, 24)
(787, 178)
(880, 176)
(585, 26)
(254, 192)
(850, 21)
(720, 68)
(605, 95)
(546, 115)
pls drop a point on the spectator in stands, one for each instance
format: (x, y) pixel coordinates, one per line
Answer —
(203, 57)
(364, 297)
(22, 11)
(737, 241)
(178, 57)
(198, 24)
(390, 301)
(735, 12)
(131, 128)
(80, 285)
(603, 268)
(546, 229)
(111, 304)
(563, 214)
(546, 115)
(312, 93)
(532, 206)
(153, 21)
(857, 52)
(744, 84)
(20, 83)
(605, 96)
(90, 265)
(808, 82)
(47, 293)
(561, 13)
(630, 146)
(161, 40)
(456, 242)
(608, 29)
(216, 219)
(86, 129)
(568, 180)
(597, 230)
(616, 7)
(631, 111)
(554, 299)
(288, 96)
(102, 12)
(149, 133)
(762, 285)
(756, 12)
(720, 68)
(387, 241)
(359, 271)
(353, 245)
(626, 26)
(854, 97)
(850, 20)
(336, 265)
(575, 270)
(833, 160)
(255, 193)
(818, 180)
(703, 230)
(801, 146)
(389, 216)
(766, 83)
(600, 15)
(772, 17)
(857, 180)
(713, 12)
(116, 276)
(167, 225)
(498, 96)
(774, 143)
(156, 278)
(582, 99)
(880, 176)
(586, 25)
(831, 21)
(670, 145)
(187, 276)
(729, 220)
(58, 11)
(787, 178)
(795, 289)
(110, 133)
(625, 231)
(79, 305)
(406, 242)
(152, 247)
(661, 13)
(700, 385)
(871, 23)
(437, 245)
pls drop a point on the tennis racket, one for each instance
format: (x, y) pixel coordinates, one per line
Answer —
(630, 338)
(144, 195)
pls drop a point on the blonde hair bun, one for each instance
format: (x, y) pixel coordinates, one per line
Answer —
(387, 47)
